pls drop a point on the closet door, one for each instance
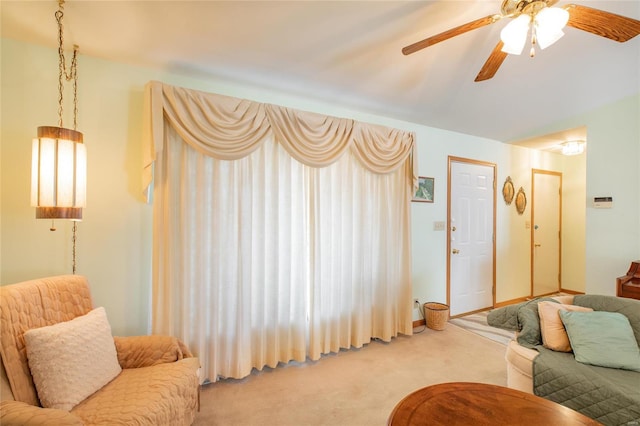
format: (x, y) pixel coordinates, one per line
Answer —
(546, 218)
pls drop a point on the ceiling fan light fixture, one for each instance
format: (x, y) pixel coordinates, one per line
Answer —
(549, 23)
(553, 18)
(542, 22)
(514, 35)
(547, 38)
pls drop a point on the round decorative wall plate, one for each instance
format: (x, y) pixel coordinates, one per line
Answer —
(508, 191)
(521, 201)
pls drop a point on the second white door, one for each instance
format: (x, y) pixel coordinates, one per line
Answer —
(546, 216)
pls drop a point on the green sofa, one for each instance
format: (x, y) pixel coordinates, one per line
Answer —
(608, 395)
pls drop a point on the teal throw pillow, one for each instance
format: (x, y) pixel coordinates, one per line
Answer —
(602, 338)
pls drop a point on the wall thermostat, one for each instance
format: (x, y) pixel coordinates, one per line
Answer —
(602, 202)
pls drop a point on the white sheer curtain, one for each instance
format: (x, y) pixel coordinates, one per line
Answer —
(358, 220)
(278, 234)
(231, 263)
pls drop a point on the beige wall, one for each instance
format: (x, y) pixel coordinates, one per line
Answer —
(612, 237)
(574, 223)
(114, 241)
(513, 238)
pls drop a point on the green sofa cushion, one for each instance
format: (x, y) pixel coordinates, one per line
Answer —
(602, 338)
(628, 307)
(523, 318)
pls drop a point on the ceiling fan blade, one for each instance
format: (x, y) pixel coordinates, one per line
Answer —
(605, 24)
(478, 23)
(494, 61)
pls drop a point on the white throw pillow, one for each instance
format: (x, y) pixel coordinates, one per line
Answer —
(71, 360)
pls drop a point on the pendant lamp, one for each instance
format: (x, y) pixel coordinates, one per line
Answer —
(59, 156)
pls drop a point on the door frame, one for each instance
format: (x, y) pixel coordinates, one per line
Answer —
(533, 203)
(452, 159)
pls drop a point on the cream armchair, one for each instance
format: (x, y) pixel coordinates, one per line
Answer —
(156, 378)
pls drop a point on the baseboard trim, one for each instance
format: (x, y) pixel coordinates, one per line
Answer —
(526, 298)
(419, 323)
(511, 302)
(464, 314)
(564, 290)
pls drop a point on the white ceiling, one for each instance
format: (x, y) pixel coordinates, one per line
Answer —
(349, 53)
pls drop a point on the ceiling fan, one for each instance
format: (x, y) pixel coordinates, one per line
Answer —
(545, 24)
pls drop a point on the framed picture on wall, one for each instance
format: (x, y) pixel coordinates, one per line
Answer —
(424, 193)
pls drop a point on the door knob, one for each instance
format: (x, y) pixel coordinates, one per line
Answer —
(455, 251)
(453, 229)
(536, 245)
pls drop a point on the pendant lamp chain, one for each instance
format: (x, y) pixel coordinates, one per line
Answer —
(73, 250)
(68, 75)
(64, 74)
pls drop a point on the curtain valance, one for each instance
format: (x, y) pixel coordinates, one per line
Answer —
(229, 128)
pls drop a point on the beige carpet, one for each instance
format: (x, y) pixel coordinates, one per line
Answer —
(477, 323)
(356, 387)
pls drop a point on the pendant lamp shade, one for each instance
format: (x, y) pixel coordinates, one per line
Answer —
(58, 174)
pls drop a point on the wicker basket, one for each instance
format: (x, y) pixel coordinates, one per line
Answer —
(436, 315)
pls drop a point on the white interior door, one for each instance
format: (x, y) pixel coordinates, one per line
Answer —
(546, 216)
(471, 236)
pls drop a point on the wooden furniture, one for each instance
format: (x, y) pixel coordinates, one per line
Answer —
(629, 285)
(481, 404)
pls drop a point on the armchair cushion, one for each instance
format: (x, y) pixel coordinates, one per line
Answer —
(71, 360)
(163, 394)
(145, 351)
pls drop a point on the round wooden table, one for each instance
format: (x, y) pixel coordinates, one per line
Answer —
(481, 404)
